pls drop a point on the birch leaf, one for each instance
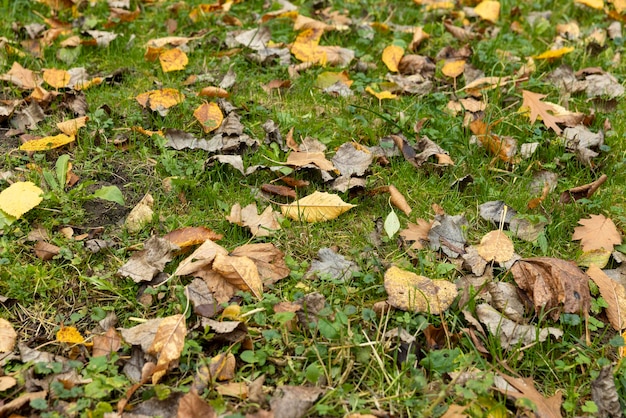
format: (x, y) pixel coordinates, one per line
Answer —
(392, 224)
(316, 207)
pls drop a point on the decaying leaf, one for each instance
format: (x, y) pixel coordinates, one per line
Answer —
(240, 272)
(597, 233)
(192, 405)
(410, 292)
(496, 246)
(260, 225)
(144, 265)
(584, 143)
(352, 159)
(168, 344)
(417, 232)
(446, 233)
(269, 260)
(8, 336)
(108, 343)
(316, 207)
(605, 395)
(517, 388)
(45, 250)
(584, 191)
(333, 265)
(398, 200)
(294, 401)
(140, 215)
(204, 304)
(553, 285)
(160, 100)
(614, 294)
(202, 257)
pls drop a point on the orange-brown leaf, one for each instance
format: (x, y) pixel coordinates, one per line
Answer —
(596, 233)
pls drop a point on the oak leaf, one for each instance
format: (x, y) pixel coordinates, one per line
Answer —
(538, 109)
(316, 207)
(261, 225)
(597, 233)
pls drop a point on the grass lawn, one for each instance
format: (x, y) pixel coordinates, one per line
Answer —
(456, 139)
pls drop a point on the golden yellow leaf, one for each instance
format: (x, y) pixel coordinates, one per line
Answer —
(595, 4)
(554, 53)
(316, 207)
(306, 46)
(19, 198)
(213, 92)
(392, 56)
(47, 143)
(56, 78)
(488, 10)
(167, 344)
(620, 5)
(88, 83)
(8, 336)
(453, 69)
(160, 100)
(173, 60)
(69, 335)
(209, 115)
(496, 246)
(410, 292)
(71, 127)
(381, 95)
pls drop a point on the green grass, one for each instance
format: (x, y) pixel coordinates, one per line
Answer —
(346, 353)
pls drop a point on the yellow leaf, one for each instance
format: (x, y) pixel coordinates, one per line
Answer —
(590, 258)
(488, 10)
(595, 4)
(453, 69)
(382, 95)
(496, 246)
(173, 60)
(8, 336)
(306, 46)
(554, 53)
(392, 56)
(209, 115)
(71, 127)
(47, 143)
(316, 207)
(410, 292)
(160, 100)
(56, 78)
(167, 344)
(19, 198)
(69, 335)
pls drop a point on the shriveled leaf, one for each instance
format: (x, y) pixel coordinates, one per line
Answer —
(392, 55)
(8, 336)
(417, 232)
(316, 207)
(19, 198)
(240, 272)
(110, 342)
(47, 143)
(140, 215)
(381, 95)
(70, 127)
(213, 92)
(269, 260)
(614, 294)
(446, 233)
(260, 225)
(596, 233)
(398, 200)
(192, 405)
(147, 263)
(553, 285)
(200, 259)
(332, 265)
(302, 159)
(392, 224)
(496, 246)
(45, 250)
(410, 292)
(168, 344)
(352, 159)
(192, 235)
(201, 298)
(160, 100)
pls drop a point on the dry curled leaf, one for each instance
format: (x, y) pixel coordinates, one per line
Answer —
(168, 344)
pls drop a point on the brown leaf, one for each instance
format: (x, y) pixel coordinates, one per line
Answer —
(417, 232)
(269, 260)
(200, 259)
(192, 235)
(279, 190)
(518, 388)
(14, 405)
(597, 233)
(146, 264)
(532, 102)
(240, 272)
(260, 225)
(110, 342)
(581, 192)
(8, 336)
(168, 344)
(46, 251)
(614, 294)
(294, 401)
(204, 304)
(192, 405)
(496, 246)
(303, 159)
(605, 395)
(398, 200)
(553, 285)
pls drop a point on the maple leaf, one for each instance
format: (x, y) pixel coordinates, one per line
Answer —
(597, 233)
(532, 102)
(518, 388)
(417, 232)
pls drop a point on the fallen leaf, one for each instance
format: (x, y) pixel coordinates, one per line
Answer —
(140, 215)
(398, 200)
(488, 10)
(168, 344)
(532, 103)
(209, 115)
(614, 294)
(47, 143)
(279, 190)
(597, 233)
(518, 388)
(70, 127)
(69, 335)
(110, 342)
(581, 192)
(144, 265)
(392, 224)
(417, 232)
(294, 401)
(261, 225)
(19, 198)
(453, 68)
(352, 159)
(381, 95)
(410, 292)
(8, 336)
(192, 405)
(204, 304)
(302, 159)
(446, 233)
(192, 235)
(160, 100)
(392, 55)
(237, 390)
(496, 246)
(56, 78)
(202, 257)
(24, 399)
(553, 285)
(332, 265)
(605, 395)
(173, 60)
(595, 4)
(583, 142)
(269, 260)
(554, 53)
(316, 207)
(240, 272)
(45, 250)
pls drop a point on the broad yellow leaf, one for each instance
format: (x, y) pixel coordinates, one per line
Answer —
(554, 53)
(56, 78)
(316, 207)
(160, 100)
(47, 143)
(69, 335)
(410, 292)
(19, 198)
(595, 4)
(453, 69)
(71, 127)
(306, 46)
(488, 10)
(392, 56)
(173, 60)
(168, 344)
(209, 115)
(620, 5)
(496, 246)
(381, 95)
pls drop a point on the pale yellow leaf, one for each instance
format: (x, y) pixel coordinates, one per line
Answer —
(8, 336)
(70, 127)
(19, 198)
(56, 78)
(380, 95)
(488, 10)
(316, 207)
(595, 4)
(47, 143)
(410, 292)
